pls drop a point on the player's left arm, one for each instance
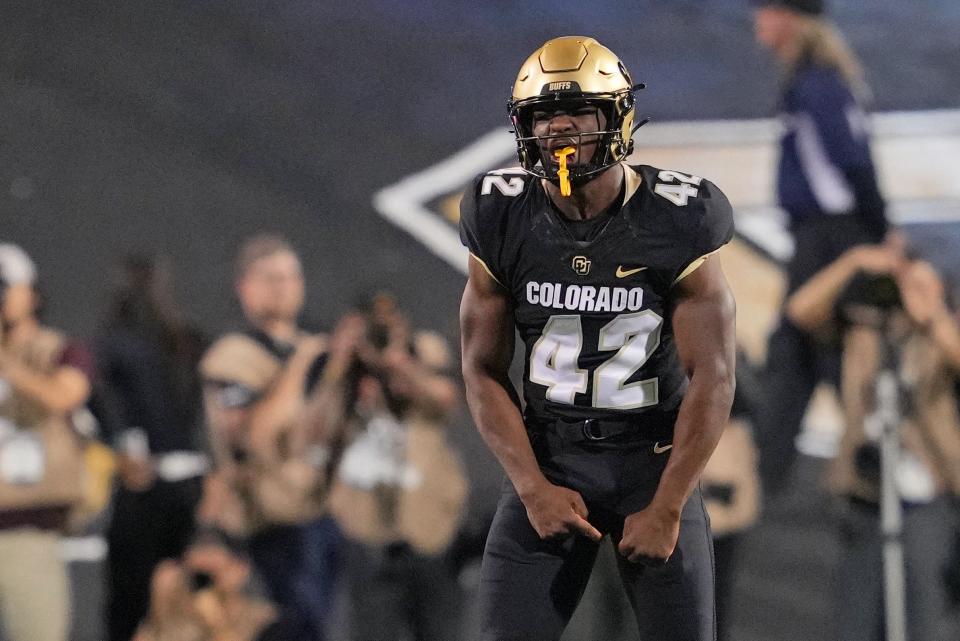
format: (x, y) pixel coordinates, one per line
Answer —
(704, 331)
(703, 326)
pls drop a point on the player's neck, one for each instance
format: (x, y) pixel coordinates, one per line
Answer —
(589, 200)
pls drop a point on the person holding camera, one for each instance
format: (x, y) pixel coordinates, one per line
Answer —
(269, 486)
(44, 378)
(870, 300)
(206, 596)
(399, 489)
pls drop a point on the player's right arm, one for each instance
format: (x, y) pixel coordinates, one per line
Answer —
(487, 341)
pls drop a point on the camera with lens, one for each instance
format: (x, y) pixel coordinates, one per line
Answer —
(878, 292)
(378, 334)
(869, 299)
(200, 581)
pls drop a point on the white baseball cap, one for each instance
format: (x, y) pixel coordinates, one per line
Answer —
(16, 266)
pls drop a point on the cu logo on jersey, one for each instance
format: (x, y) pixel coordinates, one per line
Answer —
(581, 265)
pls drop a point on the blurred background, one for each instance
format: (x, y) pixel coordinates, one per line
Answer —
(182, 128)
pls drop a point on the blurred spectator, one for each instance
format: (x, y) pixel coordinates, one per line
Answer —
(827, 186)
(206, 597)
(731, 490)
(887, 309)
(43, 379)
(147, 357)
(399, 491)
(270, 485)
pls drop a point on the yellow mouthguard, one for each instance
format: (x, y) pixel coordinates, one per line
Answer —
(563, 173)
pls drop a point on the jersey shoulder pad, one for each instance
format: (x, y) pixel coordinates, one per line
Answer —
(484, 213)
(697, 210)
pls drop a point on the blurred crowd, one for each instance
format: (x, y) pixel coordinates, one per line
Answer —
(256, 476)
(256, 479)
(259, 475)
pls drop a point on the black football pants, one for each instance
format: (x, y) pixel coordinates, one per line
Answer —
(530, 587)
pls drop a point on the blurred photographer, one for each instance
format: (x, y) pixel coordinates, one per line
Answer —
(43, 380)
(872, 299)
(269, 485)
(399, 490)
(207, 597)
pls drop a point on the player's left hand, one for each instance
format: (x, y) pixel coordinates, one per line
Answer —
(650, 536)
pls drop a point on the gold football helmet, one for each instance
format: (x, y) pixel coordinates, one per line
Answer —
(569, 72)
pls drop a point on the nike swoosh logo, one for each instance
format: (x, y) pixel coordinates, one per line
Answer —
(623, 273)
(660, 450)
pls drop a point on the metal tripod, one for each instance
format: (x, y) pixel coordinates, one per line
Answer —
(888, 414)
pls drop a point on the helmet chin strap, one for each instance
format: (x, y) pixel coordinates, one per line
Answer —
(563, 173)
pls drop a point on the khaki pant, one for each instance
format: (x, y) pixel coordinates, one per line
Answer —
(34, 587)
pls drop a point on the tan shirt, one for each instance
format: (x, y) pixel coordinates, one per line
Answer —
(931, 432)
(253, 488)
(41, 462)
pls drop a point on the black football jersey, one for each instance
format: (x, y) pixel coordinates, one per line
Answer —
(595, 315)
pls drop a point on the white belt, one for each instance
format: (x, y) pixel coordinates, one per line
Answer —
(173, 467)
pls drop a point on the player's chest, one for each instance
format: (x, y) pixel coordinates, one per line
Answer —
(614, 274)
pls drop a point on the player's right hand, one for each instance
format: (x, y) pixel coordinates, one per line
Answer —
(556, 511)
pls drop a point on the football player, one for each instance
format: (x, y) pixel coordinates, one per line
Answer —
(607, 272)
